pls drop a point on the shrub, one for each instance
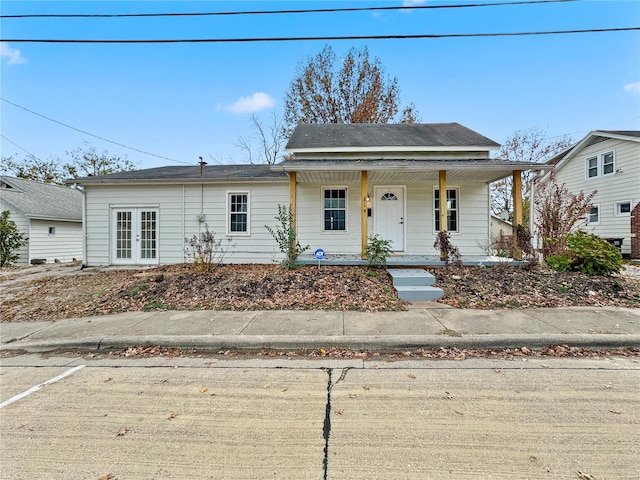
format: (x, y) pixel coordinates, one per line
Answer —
(593, 255)
(587, 253)
(378, 250)
(449, 251)
(11, 240)
(205, 250)
(286, 237)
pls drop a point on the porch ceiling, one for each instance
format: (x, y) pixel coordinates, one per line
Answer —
(399, 177)
(407, 171)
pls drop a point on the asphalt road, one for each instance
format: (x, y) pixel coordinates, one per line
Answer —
(254, 418)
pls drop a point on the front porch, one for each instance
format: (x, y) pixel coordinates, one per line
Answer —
(396, 261)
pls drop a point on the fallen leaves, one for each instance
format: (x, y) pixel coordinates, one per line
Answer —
(122, 432)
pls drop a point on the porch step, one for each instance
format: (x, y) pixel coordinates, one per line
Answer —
(408, 277)
(419, 293)
(415, 284)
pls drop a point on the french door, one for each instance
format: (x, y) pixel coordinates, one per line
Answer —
(134, 236)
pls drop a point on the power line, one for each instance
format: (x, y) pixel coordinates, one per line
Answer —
(279, 12)
(91, 134)
(324, 38)
(20, 147)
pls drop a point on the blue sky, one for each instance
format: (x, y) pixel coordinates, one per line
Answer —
(183, 101)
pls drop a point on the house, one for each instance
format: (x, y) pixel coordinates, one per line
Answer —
(344, 183)
(501, 234)
(609, 162)
(49, 215)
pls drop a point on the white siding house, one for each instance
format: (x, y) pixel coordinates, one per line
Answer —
(344, 183)
(609, 162)
(49, 215)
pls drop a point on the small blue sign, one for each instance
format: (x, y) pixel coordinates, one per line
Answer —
(319, 254)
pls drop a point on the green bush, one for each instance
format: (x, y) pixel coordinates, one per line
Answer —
(593, 255)
(11, 240)
(587, 253)
(560, 263)
(378, 250)
(286, 237)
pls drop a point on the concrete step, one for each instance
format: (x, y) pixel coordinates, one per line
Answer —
(414, 293)
(408, 277)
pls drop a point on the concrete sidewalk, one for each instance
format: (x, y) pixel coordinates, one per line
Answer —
(426, 325)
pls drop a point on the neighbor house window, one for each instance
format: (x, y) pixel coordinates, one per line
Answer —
(238, 213)
(607, 163)
(52, 231)
(593, 217)
(334, 209)
(602, 164)
(592, 167)
(452, 209)
(623, 208)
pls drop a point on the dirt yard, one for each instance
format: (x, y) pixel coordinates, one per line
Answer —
(57, 291)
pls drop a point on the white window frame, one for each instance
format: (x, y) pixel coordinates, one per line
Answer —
(588, 219)
(231, 233)
(600, 165)
(436, 216)
(618, 213)
(346, 209)
(589, 167)
(613, 162)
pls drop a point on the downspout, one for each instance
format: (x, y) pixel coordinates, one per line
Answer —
(85, 260)
(184, 193)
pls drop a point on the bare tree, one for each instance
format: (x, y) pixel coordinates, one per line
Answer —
(531, 146)
(86, 161)
(353, 89)
(558, 213)
(271, 141)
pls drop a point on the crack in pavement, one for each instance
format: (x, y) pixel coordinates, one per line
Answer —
(326, 426)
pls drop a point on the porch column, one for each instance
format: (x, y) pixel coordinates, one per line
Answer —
(364, 219)
(517, 212)
(442, 191)
(292, 198)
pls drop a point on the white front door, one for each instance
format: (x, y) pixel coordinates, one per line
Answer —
(389, 215)
(134, 237)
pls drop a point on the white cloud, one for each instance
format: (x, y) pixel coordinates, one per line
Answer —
(254, 103)
(11, 54)
(632, 88)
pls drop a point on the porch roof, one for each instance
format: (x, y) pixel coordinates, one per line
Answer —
(399, 170)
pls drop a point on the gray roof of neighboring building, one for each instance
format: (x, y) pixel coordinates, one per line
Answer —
(189, 174)
(42, 200)
(337, 135)
(628, 133)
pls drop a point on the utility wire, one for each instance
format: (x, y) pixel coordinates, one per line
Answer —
(20, 147)
(325, 38)
(278, 12)
(91, 134)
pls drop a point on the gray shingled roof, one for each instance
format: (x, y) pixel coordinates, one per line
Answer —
(337, 135)
(42, 200)
(189, 174)
(628, 133)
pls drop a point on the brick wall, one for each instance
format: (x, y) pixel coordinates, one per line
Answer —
(635, 232)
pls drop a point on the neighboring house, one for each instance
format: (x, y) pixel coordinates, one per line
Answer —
(344, 183)
(609, 162)
(49, 215)
(501, 234)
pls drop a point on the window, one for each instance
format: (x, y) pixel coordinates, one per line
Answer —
(607, 163)
(602, 164)
(238, 213)
(593, 217)
(622, 209)
(334, 209)
(592, 167)
(52, 231)
(452, 209)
